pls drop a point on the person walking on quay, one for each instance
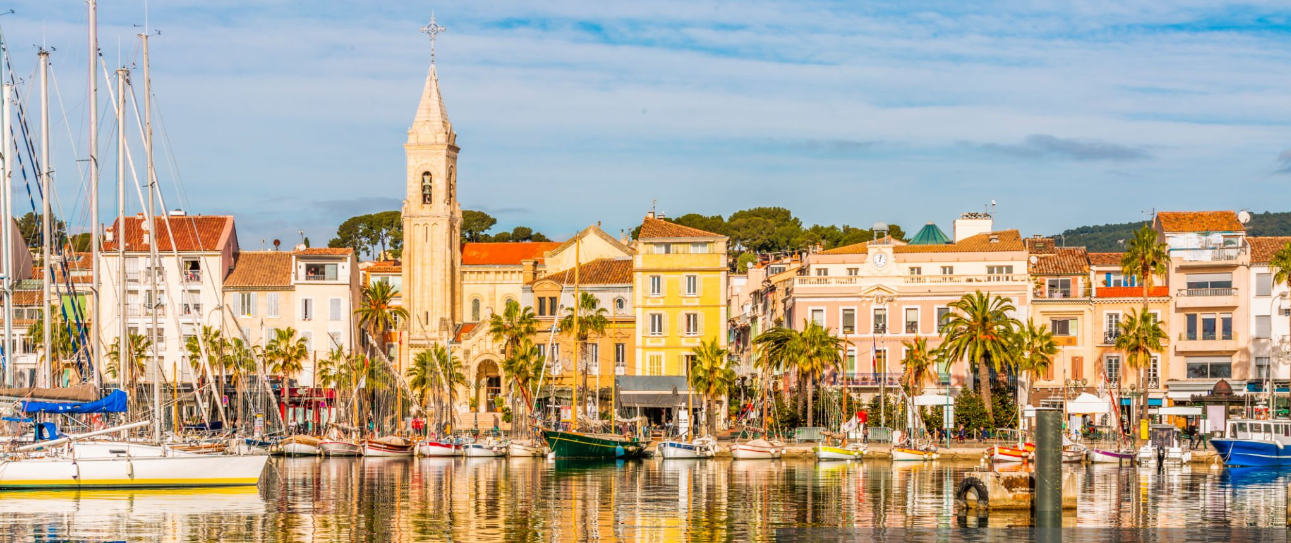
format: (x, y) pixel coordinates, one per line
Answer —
(497, 425)
(962, 431)
(981, 435)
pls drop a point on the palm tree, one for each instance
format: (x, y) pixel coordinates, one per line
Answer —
(435, 373)
(139, 346)
(512, 327)
(377, 314)
(1145, 257)
(1035, 351)
(712, 373)
(212, 341)
(581, 322)
(61, 341)
(1141, 336)
(286, 354)
(523, 367)
(1281, 266)
(809, 353)
(919, 366)
(980, 329)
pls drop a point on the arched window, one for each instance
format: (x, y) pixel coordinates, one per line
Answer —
(475, 310)
(426, 198)
(452, 186)
(620, 305)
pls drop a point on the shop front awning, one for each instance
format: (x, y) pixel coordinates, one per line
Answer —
(1088, 404)
(654, 391)
(1152, 402)
(1180, 411)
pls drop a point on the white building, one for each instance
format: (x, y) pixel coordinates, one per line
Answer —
(1270, 325)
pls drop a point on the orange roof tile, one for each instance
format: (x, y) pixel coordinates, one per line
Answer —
(853, 249)
(260, 270)
(1131, 292)
(989, 242)
(386, 268)
(511, 253)
(1105, 259)
(1262, 248)
(1199, 221)
(652, 228)
(463, 331)
(193, 233)
(27, 297)
(326, 251)
(604, 271)
(1062, 261)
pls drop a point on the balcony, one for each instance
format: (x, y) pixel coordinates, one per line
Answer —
(1109, 337)
(192, 276)
(142, 310)
(1208, 255)
(880, 329)
(857, 280)
(912, 328)
(1206, 297)
(871, 379)
(1207, 342)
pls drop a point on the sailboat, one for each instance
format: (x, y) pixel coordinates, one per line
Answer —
(843, 450)
(906, 446)
(704, 447)
(759, 449)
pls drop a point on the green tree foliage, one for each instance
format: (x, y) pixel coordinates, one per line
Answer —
(970, 411)
(475, 224)
(29, 226)
(371, 234)
(770, 229)
(1110, 238)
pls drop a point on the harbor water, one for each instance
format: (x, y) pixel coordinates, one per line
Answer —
(533, 499)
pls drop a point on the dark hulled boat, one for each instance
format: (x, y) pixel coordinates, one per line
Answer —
(586, 445)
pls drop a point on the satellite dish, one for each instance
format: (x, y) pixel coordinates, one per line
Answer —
(1034, 259)
(1244, 216)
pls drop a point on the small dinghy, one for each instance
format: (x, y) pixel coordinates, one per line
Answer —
(853, 451)
(439, 447)
(906, 454)
(527, 448)
(758, 449)
(387, 447)
(297, 445)
(704, 447)
(487, 449)
(1012, 454)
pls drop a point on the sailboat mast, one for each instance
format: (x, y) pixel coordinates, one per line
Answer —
(125, 347)
(95, 333)
(43, 375)
(578, 348)
(7, 232)
(155, 367)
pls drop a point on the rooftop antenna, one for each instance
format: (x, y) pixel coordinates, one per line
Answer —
(433, 30)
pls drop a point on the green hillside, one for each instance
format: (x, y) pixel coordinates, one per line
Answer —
(1106, 237)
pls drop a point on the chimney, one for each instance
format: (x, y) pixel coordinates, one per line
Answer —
(649, 214)
(972, 224)
(529, 270)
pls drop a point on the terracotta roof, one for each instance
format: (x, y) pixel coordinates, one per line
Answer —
(80, 261)
(1105, 259)
(604, 271)
(652, 228)
(27, 297)
(505, 253)
(1004, 240)
(260, 270)
(386, 268)
(1062, 261)
(193, 233)
(1199, 221)
(326, 251)
(1131, 292)
(463, 331)
(1262, 248)
(853, 249)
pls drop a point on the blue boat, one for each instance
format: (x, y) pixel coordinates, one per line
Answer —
(1255, 443)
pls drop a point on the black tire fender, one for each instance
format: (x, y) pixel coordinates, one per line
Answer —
(972, 484)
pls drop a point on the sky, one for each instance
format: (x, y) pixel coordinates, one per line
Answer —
(291, 115)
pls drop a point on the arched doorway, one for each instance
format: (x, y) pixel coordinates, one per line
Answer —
(488, 386)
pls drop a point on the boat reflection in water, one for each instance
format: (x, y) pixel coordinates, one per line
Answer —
(457, 498)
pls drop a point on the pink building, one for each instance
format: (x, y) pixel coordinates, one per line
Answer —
(881, 294)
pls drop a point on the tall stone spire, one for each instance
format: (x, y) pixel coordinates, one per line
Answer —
(431, 124)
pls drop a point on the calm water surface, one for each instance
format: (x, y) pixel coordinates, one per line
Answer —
(482, 499)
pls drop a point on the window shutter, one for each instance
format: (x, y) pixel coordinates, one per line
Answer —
(237, 304)
(335, 309)
(251, 311)
(272, 303)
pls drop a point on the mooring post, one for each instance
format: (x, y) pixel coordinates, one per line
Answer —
(1048, 468)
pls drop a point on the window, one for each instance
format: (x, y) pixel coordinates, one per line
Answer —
(547, 306)
(822, 272)
(334, 309)
(336, 340)
(1112, 367)
(1077, 367)
(1262, 367)
(698, 248)
(912, 320)
(1226, 326)
(246, 304)
(1111, 327)
(772, 270)
(880, 320)
(1117, 279)
(475, 310)
(620, 305)
(555, 353)
(692, 285)
(849, 321)
(916, 270)
(654, 365)
(851, 359)
(271, 300)
(853, 272)
(943, 314)
(999, 270)
(1263, 284)
(542, 306)
(881, 360)
(1059, 287)
(309, 340)
(620, 358)
(948, 270)
(691, 324)
(246, 333)
(1209, 281)
(426, 187)
(818, 316)
(306, 309)
(1263, 326)
(687, 362)
(1210, 367)
(656, 324)
(663, 248)
(593, 357)
(320, 272)
(1154, 373)
(1065, 327)
(656, 285)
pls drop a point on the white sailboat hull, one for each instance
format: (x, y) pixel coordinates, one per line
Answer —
(516, 448)
(478, 450)
(757, 451)
(340, 448)
(299, 449)
(125, 472)
(438, 449)
(682, 450)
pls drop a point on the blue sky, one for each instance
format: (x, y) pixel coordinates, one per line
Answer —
(292, 115)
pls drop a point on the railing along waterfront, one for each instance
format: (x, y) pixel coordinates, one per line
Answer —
(850, 280)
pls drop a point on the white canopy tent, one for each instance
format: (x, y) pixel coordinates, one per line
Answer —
(1088, 404)
(933, 399)
(1180, 411)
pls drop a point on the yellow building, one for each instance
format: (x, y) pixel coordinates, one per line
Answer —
(679, 279)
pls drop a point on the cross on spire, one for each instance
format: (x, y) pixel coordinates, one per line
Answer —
(433, 30)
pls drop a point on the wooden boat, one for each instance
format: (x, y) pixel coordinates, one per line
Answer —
(906, 454)
(387, 447)
(1073, 454)
(527, 448)
(587, 445)
(339, 447)
(704, 447)
(439, 447)
(829, 452)
(488, 449)
(1100, 456)
(758, 449)
(1012, 454)
(297, 445)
